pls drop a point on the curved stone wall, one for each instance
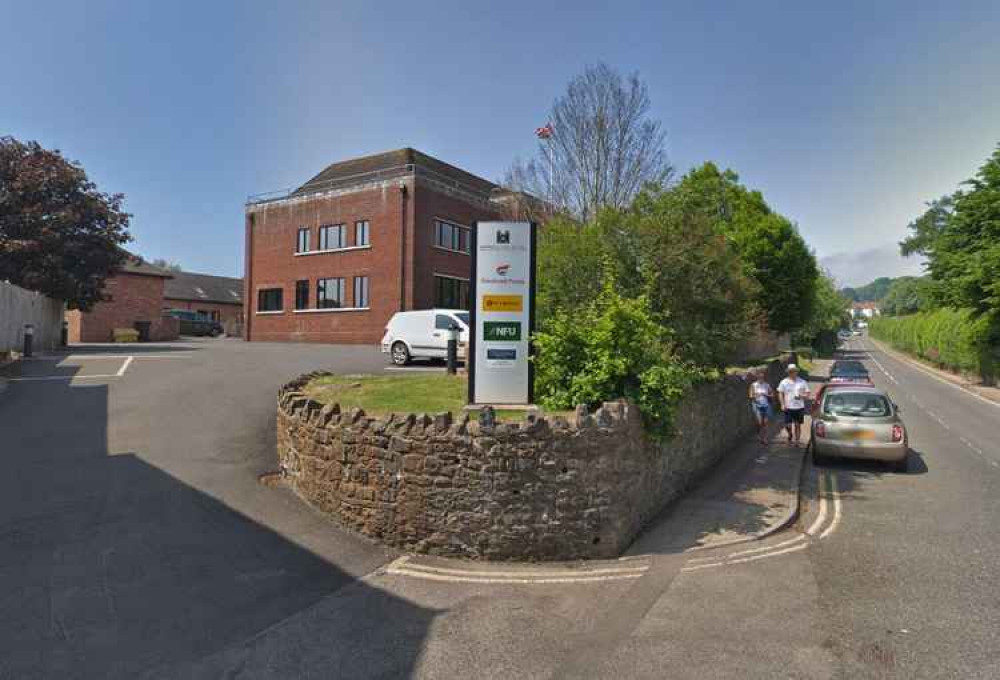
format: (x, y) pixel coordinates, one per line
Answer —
(548, 488)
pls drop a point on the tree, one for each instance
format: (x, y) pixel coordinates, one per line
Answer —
(909, 295)
(166, 264)
(828, 315)
(960, 236)
(58, 234)
(773, 253)
(691, 274)
(603, 147)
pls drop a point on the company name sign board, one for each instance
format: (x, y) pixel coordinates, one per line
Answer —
(504, 285)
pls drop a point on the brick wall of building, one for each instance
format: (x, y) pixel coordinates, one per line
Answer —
(433, 203)
(400, 263)
(272, 263)
(132, 298)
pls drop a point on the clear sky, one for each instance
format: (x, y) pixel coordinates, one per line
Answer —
(847, 116)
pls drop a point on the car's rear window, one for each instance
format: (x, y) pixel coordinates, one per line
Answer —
(856, 404)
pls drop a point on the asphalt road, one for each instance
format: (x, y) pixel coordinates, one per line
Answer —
(135, 540)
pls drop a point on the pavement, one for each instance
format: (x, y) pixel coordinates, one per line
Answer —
(136, 541)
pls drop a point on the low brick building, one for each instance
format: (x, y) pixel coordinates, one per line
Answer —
(219, 298)
(134, 294)
(333, 260)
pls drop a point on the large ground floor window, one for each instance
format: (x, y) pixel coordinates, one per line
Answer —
(451, 293)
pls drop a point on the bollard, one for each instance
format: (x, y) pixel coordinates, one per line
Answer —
(64, 337)
(452, 349)
(29, 338)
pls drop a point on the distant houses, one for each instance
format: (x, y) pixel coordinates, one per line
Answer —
(864, 310)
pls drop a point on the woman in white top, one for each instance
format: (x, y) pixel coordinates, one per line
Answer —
(760, 399)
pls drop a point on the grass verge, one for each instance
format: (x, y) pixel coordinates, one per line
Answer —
(379, 395)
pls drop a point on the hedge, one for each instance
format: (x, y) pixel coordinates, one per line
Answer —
(954, 339)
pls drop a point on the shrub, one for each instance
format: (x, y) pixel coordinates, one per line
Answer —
(955, 339)
(612, 348)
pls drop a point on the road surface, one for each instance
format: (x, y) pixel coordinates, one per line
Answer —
(136, 541)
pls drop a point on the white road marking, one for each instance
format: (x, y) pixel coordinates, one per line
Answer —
(407, 571)
(403, 567)
(553, 573)
(776, 546)
(125, 365)
(821, 517)
(744, 560)
(922, 369)
(67, 357)
(836, 508)
(32, 378)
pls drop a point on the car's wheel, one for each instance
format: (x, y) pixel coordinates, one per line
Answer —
(215, 333)
(400, 354)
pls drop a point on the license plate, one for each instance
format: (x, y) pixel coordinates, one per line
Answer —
(859, 434)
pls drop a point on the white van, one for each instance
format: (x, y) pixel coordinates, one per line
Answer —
(423, 334)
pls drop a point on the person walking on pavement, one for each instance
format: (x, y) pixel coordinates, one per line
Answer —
(760, 398)
(793, 392)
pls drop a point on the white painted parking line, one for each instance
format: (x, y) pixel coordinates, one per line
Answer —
(32, 378)
(125, 365)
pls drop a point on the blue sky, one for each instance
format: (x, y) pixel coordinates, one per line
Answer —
(847, 116)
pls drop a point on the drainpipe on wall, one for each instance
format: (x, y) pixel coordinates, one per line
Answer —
(248, 279)
(402, 247)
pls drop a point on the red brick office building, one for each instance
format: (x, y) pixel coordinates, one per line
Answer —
(333, 260)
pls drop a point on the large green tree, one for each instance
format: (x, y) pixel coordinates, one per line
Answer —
(772, 252)
(59, 234)
(909, 295)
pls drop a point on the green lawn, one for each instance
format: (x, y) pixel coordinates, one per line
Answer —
(379, 395)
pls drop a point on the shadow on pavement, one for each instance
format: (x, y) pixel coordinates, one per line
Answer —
(109, 567)
(749, 491)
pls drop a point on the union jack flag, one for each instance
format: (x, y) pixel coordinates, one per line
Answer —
(545, 131)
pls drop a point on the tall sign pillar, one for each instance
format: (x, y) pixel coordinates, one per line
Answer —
(503, 313)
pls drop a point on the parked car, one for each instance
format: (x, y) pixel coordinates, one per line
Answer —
(192, 323)
(858, 421)
(423, 334)
(849, 371)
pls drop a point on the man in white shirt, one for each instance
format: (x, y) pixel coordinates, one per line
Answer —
(793, 392)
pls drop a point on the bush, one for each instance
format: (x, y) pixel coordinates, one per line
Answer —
(954, 339)
(612, 348)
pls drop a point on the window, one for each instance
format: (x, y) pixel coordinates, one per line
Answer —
(361, 234)
(331, 237)
(302, 294)
(451, 236)
(302, 243)
(856, 405)
(451, 293)
(360, 291)
(443, 322)
(269, 300)
(329, 293)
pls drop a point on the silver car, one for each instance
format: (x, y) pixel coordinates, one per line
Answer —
(858, 421)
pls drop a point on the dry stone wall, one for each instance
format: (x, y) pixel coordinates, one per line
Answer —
(548, 488)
